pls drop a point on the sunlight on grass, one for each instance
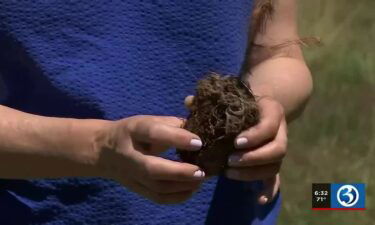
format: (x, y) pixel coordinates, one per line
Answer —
(334, 141)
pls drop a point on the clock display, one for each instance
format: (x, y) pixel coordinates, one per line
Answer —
(321, 196)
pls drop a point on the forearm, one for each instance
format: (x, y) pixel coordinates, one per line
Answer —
(34, 146)
(277, 67)
(287, 80)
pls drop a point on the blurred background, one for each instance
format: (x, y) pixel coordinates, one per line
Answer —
(334, 141)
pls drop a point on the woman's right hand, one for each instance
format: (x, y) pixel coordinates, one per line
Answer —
(128, 153)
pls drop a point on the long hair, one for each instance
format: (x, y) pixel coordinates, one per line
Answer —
(261, 14)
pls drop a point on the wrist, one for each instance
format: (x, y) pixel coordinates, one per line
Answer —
(263, 90)
(86, 142)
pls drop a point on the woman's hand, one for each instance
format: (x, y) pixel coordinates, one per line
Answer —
(261, 150)
(129, 152)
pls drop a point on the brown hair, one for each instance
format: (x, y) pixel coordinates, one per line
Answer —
(262, 12)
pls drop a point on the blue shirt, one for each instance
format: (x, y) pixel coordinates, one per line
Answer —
(111, 60)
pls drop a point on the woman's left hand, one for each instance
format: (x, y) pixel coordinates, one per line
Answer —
(261, 150)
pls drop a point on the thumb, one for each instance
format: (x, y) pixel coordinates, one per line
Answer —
(270, 188)
(189, 102)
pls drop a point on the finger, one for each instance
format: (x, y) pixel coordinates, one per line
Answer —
(165, 135)
(165, 187)
(189, 102)
(172, 198)
(271, 113)
(169, 120)
(162, 198)
(253, 173)
(269, 153)
(271, 187)
(136, 187)
(157, 168)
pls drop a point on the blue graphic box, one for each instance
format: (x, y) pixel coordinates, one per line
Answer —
(348, 195)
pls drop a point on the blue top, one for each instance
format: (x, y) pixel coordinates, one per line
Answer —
(110, 60)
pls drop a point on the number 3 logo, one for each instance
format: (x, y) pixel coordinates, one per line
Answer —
(350, 193)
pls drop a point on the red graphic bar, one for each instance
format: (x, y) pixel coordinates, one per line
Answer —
(338, 208)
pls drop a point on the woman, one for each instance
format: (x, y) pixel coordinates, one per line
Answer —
(92, 96)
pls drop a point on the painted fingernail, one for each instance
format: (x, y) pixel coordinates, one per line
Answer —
(241, 142)
(196, 144)
(199, 174)
(234, 159)
(263, 200)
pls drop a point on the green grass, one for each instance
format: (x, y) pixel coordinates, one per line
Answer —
(334, 141)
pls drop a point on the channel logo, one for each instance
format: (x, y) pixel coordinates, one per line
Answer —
(348, 196)
(338, 196)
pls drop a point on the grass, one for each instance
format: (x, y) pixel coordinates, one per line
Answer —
(334, 141)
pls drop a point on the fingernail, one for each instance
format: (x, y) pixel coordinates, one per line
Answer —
(241, 142)
(199, 174)
(196, 144)
(234, 159)
(263, 200)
